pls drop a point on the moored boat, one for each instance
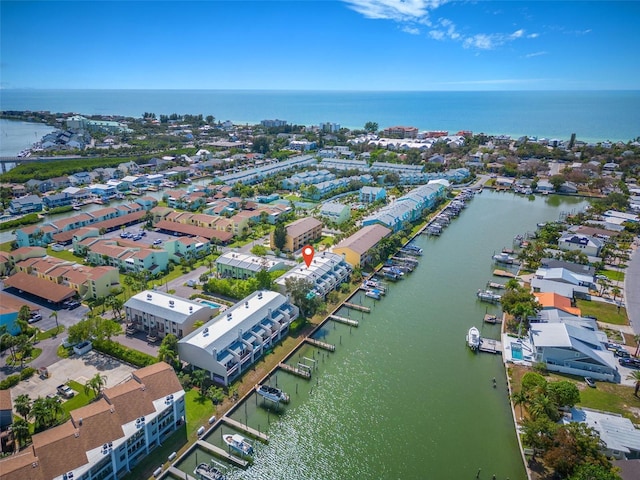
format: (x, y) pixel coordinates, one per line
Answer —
(373, 293)
(238, 443)
(473, 338)
(488, 296)
(503, 257)
(206, 471)
(272, 393)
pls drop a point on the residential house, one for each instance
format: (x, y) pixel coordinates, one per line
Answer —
(590, 246)
(159, 313)
(229, 344)
(335, 212)
(80, 178)
(26, 204)
(57, 200)
(572, 350)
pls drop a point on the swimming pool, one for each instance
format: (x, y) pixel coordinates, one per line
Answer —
(516, 351)
(210, 304)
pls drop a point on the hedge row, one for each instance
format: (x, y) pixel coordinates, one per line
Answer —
(129, 355)
(13, 380)
(26, 220)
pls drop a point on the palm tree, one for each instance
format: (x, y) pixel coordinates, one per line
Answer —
(22, 405)
(55, 408)
(616, 292)
(541, 406)
(199, 376)
(21, 431)
(519, 398)
(41, 414)
(95, 384)
(635, 375)
(54, 315)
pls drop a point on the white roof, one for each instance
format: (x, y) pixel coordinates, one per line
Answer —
(221, 331)
(164, 305)
(247, 262)
(617, 432)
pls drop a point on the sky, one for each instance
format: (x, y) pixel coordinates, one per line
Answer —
(397, 45)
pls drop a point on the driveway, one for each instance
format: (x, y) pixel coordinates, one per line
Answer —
(632, 288)
(79, 369)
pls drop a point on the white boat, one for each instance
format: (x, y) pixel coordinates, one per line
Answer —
(272, 393)
(473, 338)
(206, 471)
(373, 293)
(238, 443)
(503, 257)
(488, 296)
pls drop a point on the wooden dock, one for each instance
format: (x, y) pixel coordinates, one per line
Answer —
(503, 273)
(489, 345)
(179, 473)
(345, 320)
(355, 306)
(497, 286)
(317, 343)
(246, 429)
(306, 374)
(222, 454)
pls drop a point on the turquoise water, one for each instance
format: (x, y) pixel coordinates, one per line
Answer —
(211, 304)
(402, 397)
(592, 115)
(516, 351)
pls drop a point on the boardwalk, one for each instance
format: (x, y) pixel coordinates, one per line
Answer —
(355, 306)
(222, 454)
(317, 343)
(489, 345)
(245, 428)
(345, 320)
(179, 474)
(503, 273)
(300, 372)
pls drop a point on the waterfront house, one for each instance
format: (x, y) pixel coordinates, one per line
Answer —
(109, 437)
(586, 244)
(80, 178)
(226, 346)
(619, 436)
(158, 313)
(356, 248)
(335, 212)
(573, 350)
(26, 204)
(326, 272)
(243, 266)
(565, 275)
(57, 200)
(300, 233)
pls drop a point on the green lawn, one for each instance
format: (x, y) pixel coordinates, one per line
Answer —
(80, 399)
(5, 247)
(65, 255)
(604, 312)
(50, 333)
(613, 275)
(199, 410)
(612, 398)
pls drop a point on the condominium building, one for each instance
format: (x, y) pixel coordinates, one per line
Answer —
(107, 438)
(325, 272)
(300, 233)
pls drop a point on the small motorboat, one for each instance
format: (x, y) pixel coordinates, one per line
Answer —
(488, 296)
(503, 257)
(473, 338)
(206, 471)
(272, 393)
(238, 443)
(373, 293)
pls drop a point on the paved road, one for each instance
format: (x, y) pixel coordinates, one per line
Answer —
(632, 288)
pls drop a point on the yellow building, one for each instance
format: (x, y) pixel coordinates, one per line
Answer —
(355, 248)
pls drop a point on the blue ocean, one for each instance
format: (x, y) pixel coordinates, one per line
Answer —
(591, 115)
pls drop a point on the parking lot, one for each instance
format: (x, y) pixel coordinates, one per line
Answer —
(79, 369)
(145, 241)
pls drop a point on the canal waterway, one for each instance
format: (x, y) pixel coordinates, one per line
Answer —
(402, 396)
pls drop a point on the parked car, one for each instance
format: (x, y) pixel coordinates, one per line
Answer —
(71, 304)
(65, 391)
(35, 317)
(622, 353)
(56, 247)
(137, 237)
(157, 241)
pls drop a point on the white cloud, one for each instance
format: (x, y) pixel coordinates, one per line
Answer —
(535, 54)
(517, 34)
(399, 10)
(481, 41)
(411, 30)
(533, 35)
(436, 34)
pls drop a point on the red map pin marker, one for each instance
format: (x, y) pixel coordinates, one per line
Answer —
(307, 254)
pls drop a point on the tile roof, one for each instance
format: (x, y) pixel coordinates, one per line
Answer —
(5, 400)
(39, 287)
(302, 226)
(59, 450)
(365, 238)
(23, 466)
(98, 423)
(159, 378)
(130, 399)
(207, 233)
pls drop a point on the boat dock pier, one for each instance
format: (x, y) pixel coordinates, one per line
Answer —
(246, 429)
(503, 273)
(317, 343)
(222, 453)
(498, 286)
(489, 345)
(345, 320)
(300, 372)
(488, 318)
(355, 306)
(179, 473)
